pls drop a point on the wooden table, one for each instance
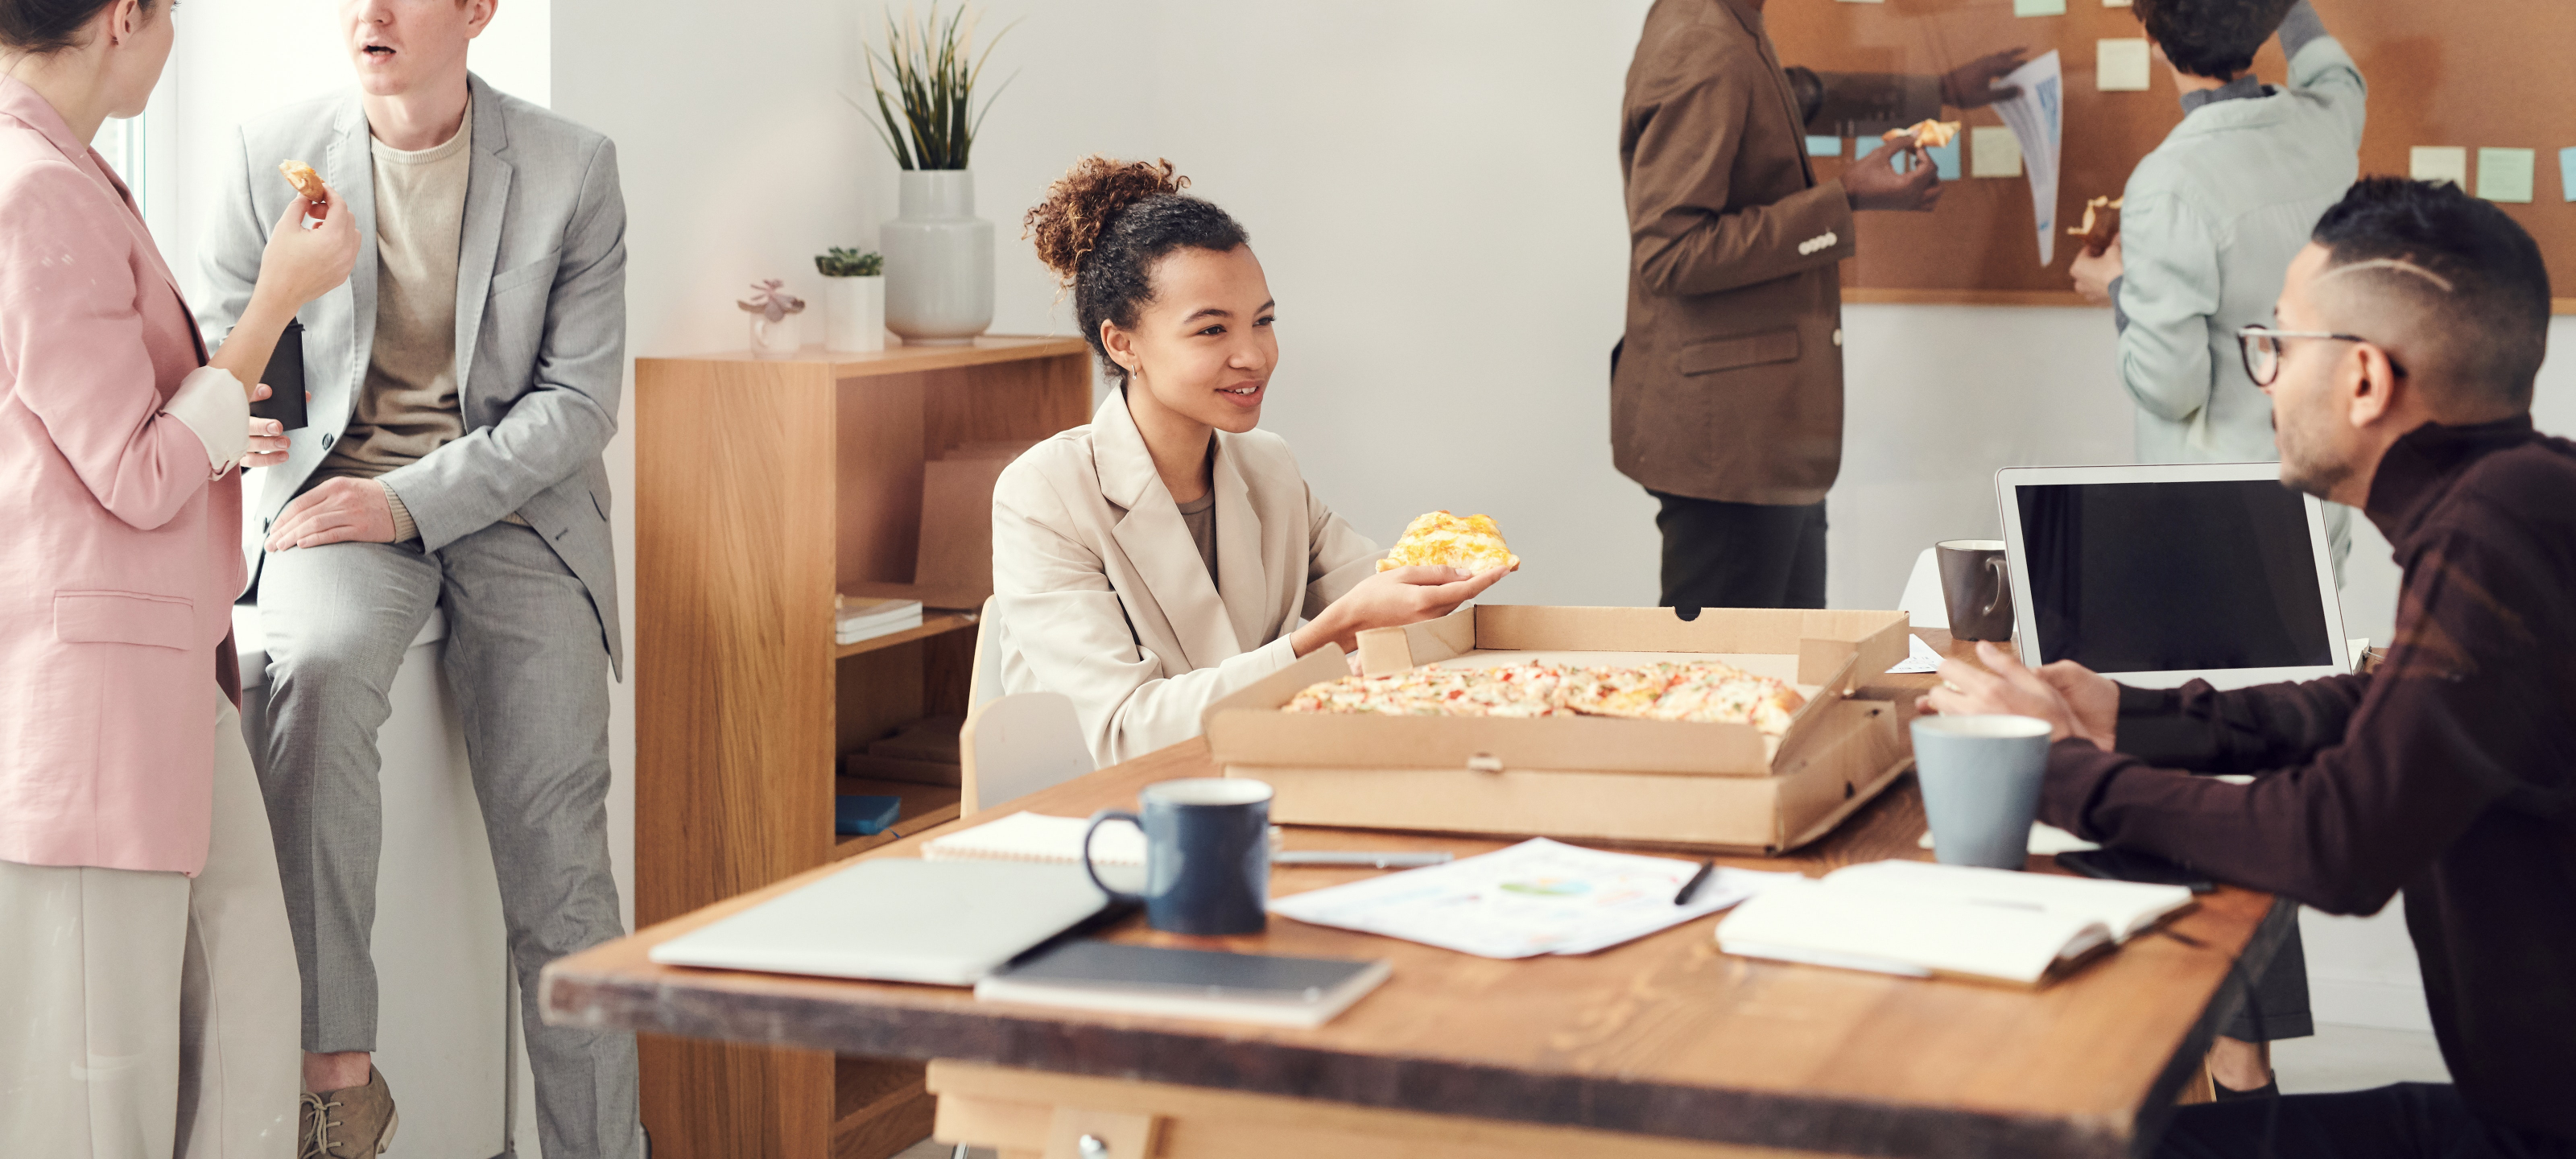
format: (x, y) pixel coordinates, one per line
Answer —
(1660, 1047)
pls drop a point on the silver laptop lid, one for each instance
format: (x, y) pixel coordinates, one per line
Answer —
(2159, 575)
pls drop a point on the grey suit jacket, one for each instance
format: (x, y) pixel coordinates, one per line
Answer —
(540, 324)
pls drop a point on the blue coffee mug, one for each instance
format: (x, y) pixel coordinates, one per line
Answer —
(1207, 855)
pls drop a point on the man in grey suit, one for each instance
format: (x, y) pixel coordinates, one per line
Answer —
(462, 385)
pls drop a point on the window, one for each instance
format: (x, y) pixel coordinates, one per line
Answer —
(121, 142)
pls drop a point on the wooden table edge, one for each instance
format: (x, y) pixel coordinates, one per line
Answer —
(587, 989)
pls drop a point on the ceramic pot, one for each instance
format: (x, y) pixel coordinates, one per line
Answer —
(779, 339)
(938, 260)
(854, 313)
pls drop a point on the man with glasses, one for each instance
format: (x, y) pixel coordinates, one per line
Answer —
(2400, 367)
(2210, 219)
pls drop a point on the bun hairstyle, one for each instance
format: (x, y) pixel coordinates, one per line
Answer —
(45, 27)
(1104, 225)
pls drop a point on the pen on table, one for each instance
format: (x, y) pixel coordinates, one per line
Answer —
(1692, 886)
(1372, 860)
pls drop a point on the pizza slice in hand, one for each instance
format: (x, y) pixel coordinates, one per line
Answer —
(1926, 134)
(1442, 539)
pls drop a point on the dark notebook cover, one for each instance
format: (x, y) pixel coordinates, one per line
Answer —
(285, 379)
(1111, 966)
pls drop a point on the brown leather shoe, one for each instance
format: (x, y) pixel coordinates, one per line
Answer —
(350, 1123)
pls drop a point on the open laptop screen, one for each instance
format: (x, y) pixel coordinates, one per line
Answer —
(2168, 576)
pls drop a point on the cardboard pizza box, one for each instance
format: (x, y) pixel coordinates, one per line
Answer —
(1716, 786)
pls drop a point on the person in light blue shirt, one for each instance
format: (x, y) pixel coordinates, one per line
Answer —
(2212, 217)
(2208, 227)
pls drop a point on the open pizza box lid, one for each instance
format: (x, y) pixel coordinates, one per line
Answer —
(1567, 775)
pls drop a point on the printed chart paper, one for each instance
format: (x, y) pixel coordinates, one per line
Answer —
(1537, 897)
(2037, 118)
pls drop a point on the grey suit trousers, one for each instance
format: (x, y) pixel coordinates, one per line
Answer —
(529, 675)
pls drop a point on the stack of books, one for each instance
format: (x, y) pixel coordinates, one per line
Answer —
(857, 618)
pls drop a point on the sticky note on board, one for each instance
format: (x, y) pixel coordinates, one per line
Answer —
(1824, 146)
(2505, 174)
(2567, 173)
(2439, 163)
(2039, 7)
(1993, 151)
(2120, 66)
(2115, 3)
(1945, 160)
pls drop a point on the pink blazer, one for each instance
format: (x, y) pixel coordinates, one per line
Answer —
(119, 561)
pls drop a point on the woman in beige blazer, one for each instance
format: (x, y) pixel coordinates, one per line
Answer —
(1168, 554)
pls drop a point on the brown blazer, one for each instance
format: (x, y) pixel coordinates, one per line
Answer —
(1729, 382)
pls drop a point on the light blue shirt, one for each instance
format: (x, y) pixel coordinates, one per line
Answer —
(2209, 226)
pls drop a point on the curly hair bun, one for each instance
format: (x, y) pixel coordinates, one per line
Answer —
(1067, 225)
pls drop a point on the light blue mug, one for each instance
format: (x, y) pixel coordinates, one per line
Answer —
(1981, 777)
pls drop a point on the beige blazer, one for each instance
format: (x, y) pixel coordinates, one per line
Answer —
(1101, 595)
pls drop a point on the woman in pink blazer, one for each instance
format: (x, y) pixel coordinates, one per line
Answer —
(143, 937)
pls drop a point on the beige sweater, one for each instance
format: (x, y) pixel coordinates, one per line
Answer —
(408, 407)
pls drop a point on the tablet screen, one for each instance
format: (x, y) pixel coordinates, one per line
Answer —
(2164, 577)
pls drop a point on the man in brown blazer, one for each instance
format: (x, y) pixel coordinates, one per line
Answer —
(1726, 394)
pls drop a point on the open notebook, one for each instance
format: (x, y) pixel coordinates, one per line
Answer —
(1921, 919)
(1038, 837)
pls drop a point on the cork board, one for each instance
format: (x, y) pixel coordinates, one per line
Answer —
(2494, 74)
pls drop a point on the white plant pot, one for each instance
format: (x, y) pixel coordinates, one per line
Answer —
(854, 313)
(938, 260)
(779, 339)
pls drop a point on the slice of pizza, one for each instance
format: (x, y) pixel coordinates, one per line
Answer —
(307, 183)
(2101, 224)
(1713, 693)
(1616, 691)
(1509, 690)
(1439, 538)
(1926, 134)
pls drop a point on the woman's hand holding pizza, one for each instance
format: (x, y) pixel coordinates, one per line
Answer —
(1393, 599)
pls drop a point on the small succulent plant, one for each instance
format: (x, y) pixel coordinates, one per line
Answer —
(849, 263)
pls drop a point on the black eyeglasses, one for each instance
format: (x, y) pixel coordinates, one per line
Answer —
(2260, 347)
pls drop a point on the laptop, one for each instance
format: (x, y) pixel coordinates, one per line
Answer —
(2159, 575)
(898, 920)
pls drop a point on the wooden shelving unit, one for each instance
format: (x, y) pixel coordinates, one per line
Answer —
(762, 487)
(932, 624)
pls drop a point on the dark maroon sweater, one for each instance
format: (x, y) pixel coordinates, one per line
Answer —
(2449, 773)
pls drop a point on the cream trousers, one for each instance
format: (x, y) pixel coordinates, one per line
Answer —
(152, 1015)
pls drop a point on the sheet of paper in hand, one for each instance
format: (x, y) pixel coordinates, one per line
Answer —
(2037, 117)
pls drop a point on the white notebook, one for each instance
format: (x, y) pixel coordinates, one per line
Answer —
(1922, 919)
(1038, 837)
(898, 920)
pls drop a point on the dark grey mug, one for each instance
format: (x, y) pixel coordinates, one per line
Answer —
(1207, 855)
(1976, 587)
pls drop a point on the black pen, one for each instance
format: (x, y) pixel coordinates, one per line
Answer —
(1692, 886)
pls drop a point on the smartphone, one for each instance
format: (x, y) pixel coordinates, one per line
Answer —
(285, 379)
(2131, 865)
